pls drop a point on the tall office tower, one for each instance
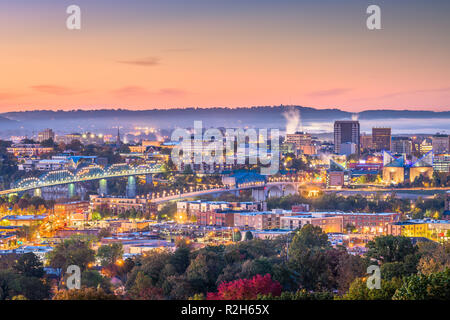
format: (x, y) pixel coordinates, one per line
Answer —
(441, 143)
(344, 132)
(401, 145)
(45, 135)
(381, 139)
(366, 141)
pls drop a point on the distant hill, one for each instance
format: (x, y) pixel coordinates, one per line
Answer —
(4, 120)
(259, 116)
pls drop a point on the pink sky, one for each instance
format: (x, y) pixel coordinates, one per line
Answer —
(213, 62)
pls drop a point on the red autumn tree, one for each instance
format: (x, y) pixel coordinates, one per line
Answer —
(246, 289)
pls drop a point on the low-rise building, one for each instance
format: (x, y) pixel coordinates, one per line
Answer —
(328, 223)
(118, 205)
(29, 150)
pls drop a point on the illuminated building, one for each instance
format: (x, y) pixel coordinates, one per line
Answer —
(118, 205)
(328, 223)
(45, 135)
(436, 230)
(396, 171)
(302, 142)
(441, 162)
(68, 208)
(337, 175)
(425, 146)
(440, 143)
(422, 167)
(401, 145)
(381, 139)
(346, 131)
(29, 150)
(23, 220)
(371, 223)
(366, 141)
(299, 139)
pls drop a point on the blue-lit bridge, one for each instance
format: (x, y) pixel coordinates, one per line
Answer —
(90, 173)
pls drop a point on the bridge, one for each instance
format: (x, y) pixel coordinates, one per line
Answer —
(90, 173)
(260, 191)
(273, 187)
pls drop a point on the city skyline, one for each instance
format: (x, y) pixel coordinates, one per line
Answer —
(234, 54)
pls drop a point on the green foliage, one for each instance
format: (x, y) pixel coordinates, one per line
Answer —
(237, 236)
(435, 286)
(29, 265)
(71, 252)
(248, 236)
(93, 279)
(390, 248)
(84, 294)
(109, 254)
(13, 284)
(359, 291)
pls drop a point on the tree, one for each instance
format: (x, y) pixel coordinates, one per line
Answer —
(246, 289)
(434, 257)
(309, 237)
(309, 259)
(84, 294)
(390, 248)
(29, 265)
(359, 291)
(248, 236)
(71, 252)
(13, 284)
(237, 236)
(109, 254)
(93, 279)
(435, 286)
(180, 259)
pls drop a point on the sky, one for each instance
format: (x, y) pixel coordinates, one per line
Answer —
(237, 53)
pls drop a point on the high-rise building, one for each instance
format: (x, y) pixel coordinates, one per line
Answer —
(366, 141)
(45, 135)
(441, 143)
(381, 139)
(401, 145)
(346, 131)
(441, 163)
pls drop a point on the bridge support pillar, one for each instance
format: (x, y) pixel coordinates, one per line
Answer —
(12, 195)
(38, 192)
(149, 179)
(71, 189)
(258, 195)
(103, 187)
(131, 187)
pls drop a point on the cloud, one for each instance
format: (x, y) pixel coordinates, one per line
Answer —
(144, 62)
(402, 93)
(172, 92)
(133, 91)
(329, 92)
(56, 90)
